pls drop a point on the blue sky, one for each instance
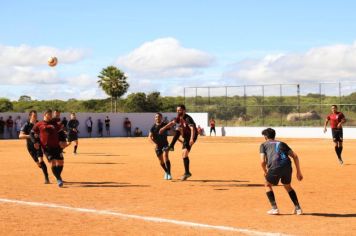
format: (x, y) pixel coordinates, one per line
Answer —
(167, 45)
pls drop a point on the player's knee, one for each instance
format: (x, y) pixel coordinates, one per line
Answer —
(288, 187)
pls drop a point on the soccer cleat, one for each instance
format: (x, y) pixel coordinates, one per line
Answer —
(186, 176)
(165, 176)
(341, 162)
(298, 211)
(60, 183)
(169, 177)
(273, 211)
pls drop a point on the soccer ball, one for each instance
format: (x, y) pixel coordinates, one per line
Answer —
(52, 61)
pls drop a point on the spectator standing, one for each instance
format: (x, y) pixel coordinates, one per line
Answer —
(107, 125)
(2, 127)
(18, 125)
(127, 127)
(10, 126)
(212, 126)
(89, 125)
(100, 127)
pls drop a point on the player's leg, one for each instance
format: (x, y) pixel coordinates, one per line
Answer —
(159, 154)
(167, 163)
(286, 180)
(43, 166)
(186, 161)
(175, 138)
(272, 178)
(76, 141)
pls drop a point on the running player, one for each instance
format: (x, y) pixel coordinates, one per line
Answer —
(189, 133)
(36, 154)
(46, 134)
(161, 145)
(336, 120)
(73, 131)
(276, 165)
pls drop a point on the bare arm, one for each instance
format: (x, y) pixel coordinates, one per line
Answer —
(325, 124)
(192, 134)
(297, 165)
(150, 137)
(263, 163)
(22, 135)
(341, 123)
(167, 126)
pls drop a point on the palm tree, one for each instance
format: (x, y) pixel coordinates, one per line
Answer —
(113, 82)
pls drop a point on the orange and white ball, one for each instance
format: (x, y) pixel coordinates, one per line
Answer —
(52, 61)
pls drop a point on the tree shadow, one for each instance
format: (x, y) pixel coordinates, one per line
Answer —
(104, 184)
(331, 215)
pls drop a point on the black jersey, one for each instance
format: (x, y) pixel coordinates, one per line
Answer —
(277, 154)
(73, 126)
(185, 123)
(26, 129)
(159, 139)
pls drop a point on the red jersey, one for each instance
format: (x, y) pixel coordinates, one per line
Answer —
(48, 133)
(212, 123)
(185, 123)
(335, 119)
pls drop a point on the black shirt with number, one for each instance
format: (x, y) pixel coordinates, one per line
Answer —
(159, 139)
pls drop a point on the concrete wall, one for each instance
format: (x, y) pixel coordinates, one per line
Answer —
(283, 132)
(142, 120)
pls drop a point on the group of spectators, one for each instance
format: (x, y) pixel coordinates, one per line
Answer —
(11, 128)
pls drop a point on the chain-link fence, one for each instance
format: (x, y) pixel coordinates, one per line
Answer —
(273, 105)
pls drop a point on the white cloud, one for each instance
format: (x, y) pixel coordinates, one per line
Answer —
(164, 58)
(25, 55)
(322, 64)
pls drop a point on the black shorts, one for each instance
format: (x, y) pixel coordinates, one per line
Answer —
(283, 173)
(35, 154)
(186, 140)
(89, 129)
(161, 149)
(337, 135)
(72, 136)
(53, 153)
(107, 128)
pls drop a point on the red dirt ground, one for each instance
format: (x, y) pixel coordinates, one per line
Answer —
(123, 175)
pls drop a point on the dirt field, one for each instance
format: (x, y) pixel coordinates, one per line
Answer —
(116, 176)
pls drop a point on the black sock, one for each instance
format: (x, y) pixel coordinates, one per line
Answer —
(272, 199)
(44, 169)
(75, 148)
(55, 172)
(340, 151)
(337, 152)
(164, 167)
(168, 166)
(175, 138)
(294, 198)
(60, 169)
(186, 164)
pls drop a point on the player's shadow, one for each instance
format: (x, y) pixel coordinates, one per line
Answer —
(100, 154)
(99, 163)
(104, 184)
(331, 215)
(222, 184)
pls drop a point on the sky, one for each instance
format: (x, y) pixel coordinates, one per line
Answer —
(165, 45)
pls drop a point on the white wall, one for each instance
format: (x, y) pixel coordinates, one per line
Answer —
(283, 132)
(142, 120)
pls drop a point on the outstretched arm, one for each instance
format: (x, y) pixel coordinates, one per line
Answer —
(167, 126)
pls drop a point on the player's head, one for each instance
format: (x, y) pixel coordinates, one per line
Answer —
(158, 117)
(48, 115)
(334, 108)
(181, 110)
(269, 133)
(72, 116)
(56, 113)
(32, 115)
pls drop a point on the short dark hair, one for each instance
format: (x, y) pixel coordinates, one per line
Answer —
(57, 110)
(31, 112)
(159, 113)
(48, 111)
(269, 133)
(181, 106)
(334, 105)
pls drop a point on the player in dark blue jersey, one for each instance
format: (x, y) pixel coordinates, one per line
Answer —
(189, 133)
(73, 131)
(276, 166)
(161, 145)
(36, 154)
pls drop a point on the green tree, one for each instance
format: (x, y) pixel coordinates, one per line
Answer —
(113, 82)
(136, 102)
(25, 98)
(154, 102)
(5, 105)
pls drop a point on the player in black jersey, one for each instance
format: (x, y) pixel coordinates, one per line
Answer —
(73, 131)
(161, 145)
(189, 133)
(36, 154)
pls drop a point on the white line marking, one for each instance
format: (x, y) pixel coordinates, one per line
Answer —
(138, 217)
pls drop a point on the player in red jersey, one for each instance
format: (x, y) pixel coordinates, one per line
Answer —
(47, 135)
(337, 119)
